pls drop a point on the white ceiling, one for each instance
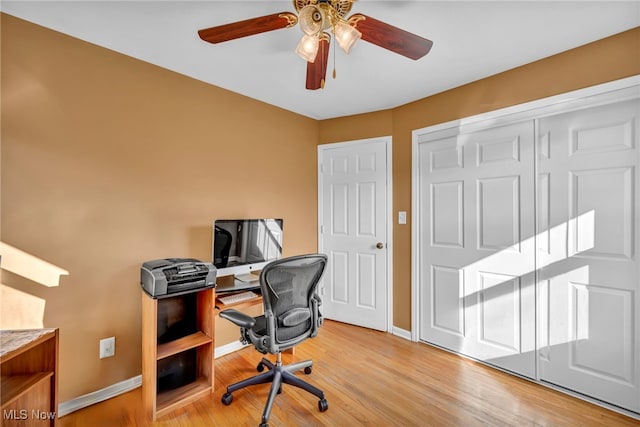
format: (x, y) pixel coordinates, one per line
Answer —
(472, 40)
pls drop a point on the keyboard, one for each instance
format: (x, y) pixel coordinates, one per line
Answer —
(239, 297)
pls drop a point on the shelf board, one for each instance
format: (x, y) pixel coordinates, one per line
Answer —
(17, 385)
(185, 343)
(169, 400)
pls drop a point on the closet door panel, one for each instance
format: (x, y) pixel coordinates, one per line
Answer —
(476, 243)
(588, 239)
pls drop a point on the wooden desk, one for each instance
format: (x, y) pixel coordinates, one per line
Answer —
(228, 281)
(29, 380)
(237, 305)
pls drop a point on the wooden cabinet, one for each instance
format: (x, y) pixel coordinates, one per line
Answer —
(177, 350)
(29, 365)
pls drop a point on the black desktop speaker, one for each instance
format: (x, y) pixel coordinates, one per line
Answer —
(221, 246)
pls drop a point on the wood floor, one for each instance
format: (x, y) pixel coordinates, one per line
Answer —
(369, 378)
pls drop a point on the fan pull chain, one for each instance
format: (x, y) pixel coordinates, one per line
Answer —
(325, 67)
(334, 60)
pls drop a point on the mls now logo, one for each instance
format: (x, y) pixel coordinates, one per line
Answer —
(23, 414)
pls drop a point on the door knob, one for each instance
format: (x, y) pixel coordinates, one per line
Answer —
(379, 245)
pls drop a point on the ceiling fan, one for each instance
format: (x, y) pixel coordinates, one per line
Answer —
(316, 18)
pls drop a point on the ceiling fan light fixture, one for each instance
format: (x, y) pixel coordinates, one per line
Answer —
(319, 21)
(308, 47)
(346, 35)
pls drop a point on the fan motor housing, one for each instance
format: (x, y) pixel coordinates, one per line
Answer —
(342, 7)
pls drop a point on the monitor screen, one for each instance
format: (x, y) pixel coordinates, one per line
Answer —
(243, 245)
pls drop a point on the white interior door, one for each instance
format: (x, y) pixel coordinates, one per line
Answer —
(476, 243)
(353, 208)
(589, 192)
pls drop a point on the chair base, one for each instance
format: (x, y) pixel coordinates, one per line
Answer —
(277, 375)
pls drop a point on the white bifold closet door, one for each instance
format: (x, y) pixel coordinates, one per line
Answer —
(476, 247)
(528, 259)
(589, 193)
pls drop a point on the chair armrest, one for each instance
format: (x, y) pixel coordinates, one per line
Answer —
(316, 315)
(238, 318)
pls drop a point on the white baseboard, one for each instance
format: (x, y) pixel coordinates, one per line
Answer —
(114, 390)
(89, 399)
(228, 348)
(402, 333)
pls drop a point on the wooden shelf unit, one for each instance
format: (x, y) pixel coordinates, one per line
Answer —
(29, 377)
(180, 327)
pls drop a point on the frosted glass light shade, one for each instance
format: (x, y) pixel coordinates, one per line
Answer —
(312, 20)
(308, 48)
(346, 36)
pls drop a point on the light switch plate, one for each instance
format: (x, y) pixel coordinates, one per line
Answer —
(402, 217)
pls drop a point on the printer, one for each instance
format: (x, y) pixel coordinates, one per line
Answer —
(171, 276)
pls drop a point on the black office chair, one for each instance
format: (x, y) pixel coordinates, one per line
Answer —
(291, 315)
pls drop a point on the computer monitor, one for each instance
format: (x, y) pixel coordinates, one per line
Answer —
(243, 246)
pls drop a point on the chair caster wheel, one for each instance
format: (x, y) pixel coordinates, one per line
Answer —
(323, 405)
(260, 367)
(227, 398)
(264, 424)
(307, 370)
(280, 390)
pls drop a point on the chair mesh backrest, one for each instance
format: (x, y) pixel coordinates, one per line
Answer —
(288, 286)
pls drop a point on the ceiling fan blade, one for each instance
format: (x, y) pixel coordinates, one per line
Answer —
(248, 27)
(317, 70)
(389, 37)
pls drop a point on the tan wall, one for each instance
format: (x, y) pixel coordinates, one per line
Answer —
(107, 162)
(606, 60)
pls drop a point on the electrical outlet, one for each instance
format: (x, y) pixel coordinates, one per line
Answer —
(107, 347)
